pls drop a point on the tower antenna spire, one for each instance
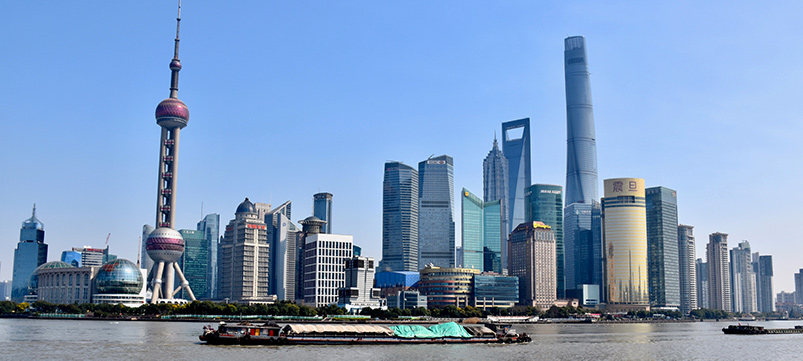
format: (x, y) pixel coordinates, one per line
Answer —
(175, 64)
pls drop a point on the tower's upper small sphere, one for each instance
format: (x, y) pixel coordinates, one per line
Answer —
(172, 113)
(175, 65)
(165, 244)
(119, 276)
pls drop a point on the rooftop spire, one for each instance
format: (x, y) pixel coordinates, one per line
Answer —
(175, 64)
(33, 214)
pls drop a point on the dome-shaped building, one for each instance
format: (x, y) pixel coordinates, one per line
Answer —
(33, 284)
(120, 281)
(246, 207)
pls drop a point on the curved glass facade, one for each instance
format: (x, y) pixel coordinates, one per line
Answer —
(625, 242)
(119, 277)
(399, 218)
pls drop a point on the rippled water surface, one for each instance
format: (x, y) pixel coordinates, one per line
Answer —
(24, 339)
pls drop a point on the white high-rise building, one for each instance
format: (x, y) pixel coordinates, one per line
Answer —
(325, 258)
(359, 291)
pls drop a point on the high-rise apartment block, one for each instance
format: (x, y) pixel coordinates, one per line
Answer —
(532, 259)
(516, 148)
(743, 279)
(325, 258)
(662, 246)
(719, 280)
(31, 252)
(687, 269)
(210, 228)
(399, 218)
(481, 227)
(322, 208)
(624, 225)
(436, 233)
(544, 203)
(495, 185)
(244, 268)
(762, 265)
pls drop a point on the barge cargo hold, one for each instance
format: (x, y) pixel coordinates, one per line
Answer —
(334, 334)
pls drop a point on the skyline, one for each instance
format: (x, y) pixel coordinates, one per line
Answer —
(678, 97)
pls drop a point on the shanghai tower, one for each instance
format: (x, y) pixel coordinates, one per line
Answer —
(165, 245)
(582, 228)
(581, 156)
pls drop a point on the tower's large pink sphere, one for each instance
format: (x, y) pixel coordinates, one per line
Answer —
(165, 244)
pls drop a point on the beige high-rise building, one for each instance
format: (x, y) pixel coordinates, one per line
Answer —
(719, 279)
(624, 232)
(245, 258)
(531, 257)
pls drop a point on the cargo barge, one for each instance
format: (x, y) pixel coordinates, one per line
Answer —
(336, 334)
(759, 330)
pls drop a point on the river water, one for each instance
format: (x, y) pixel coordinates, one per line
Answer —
(24, 339)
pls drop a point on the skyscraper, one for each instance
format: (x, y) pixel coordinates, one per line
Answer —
(581, 156)
(624, 227)
(662, 245)
(399, 218)
(702, 283)
(532, 259)
(322, 208)
(799, 287)
(516, 148)
(30, 253)
(165, 245)
(210, 227)
(283, 235)
(325, 258)
(687, 269)
(743, 279)
(719, 280)
(195, 261)
(436, 212)
(544, 203)
(495, 188)
(245, 257)
(582, 244)
(481, 225)
(582, 231)
(764, 294)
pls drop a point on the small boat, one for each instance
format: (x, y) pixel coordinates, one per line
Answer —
(335, 334)
(740, 329)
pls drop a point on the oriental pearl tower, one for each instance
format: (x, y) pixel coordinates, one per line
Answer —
(165, 245)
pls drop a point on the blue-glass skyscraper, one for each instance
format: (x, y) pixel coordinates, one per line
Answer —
(30, 253)
(210, 226)
(322, 208)
(582, 228)
(516, 147)
(399, 218)
(481, 232)
(436, 212)
(544, 203)
(662, 247)
(581, 150)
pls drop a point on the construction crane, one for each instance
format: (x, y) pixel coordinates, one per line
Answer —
(107, 240)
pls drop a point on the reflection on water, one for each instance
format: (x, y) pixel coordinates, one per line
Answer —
(82, 340)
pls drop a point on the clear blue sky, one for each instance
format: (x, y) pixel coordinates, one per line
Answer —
(288, 99)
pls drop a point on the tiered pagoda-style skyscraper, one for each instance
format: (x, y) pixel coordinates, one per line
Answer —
(165, 245)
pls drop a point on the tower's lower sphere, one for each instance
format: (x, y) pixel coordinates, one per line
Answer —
(165, 244)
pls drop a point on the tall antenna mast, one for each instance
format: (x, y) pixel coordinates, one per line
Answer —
(175, 64)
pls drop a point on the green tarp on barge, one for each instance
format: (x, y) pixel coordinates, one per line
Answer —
(449, 329)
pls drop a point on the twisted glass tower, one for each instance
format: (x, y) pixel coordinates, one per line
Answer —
(581, 157)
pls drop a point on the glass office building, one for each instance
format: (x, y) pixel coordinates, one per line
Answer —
(399, 218)
(495, 291)
(481, 231)
(582, 242)
(625, 242)
(436, 233)
(544, 203)
(31, 252)
(516, 147)
(322, 208)
(195, 262)
(210, 226)
(662, 245)
(495, 187)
